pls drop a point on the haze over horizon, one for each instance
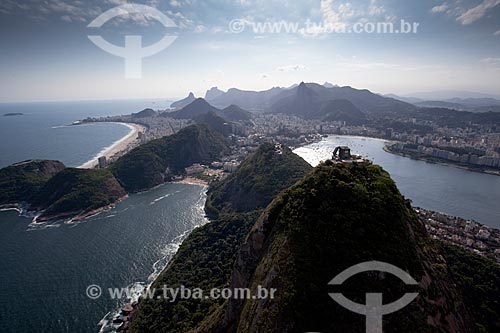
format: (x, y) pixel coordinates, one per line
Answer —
(46, 54)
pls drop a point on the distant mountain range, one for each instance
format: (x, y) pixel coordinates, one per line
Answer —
(450, 94)
(333, 103)
(474, 104)
(314, 101)
(200, 108)
(307, 100)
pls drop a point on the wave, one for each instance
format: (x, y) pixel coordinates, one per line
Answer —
(139, 287)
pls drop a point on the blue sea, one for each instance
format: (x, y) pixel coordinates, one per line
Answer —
(441, 188)
(43, 131)
(46, 269)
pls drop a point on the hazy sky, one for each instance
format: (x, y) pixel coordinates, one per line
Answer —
(45, 53)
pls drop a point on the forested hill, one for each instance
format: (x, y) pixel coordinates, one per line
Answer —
(155, 162)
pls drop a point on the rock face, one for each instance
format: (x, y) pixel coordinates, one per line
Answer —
(20, 181)
(213, 93)
(336, 217)
(205, 259)
(183, 102)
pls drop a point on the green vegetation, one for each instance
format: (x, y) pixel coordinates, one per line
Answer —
(257, 181)
(48, 186)
(21, 181)
(206, 258)
(235, 113)
(335, 217)
(77, 191)
(58, 191)
(157, 161)
(479, 280)
(217, 123)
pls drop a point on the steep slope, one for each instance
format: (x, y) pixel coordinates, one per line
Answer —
(235, 113)
(20, 181)
(336, 217)
(155, 162)
(479, 280)
(183, 102)
(77, 192)
(258, 180)
(214, 121)
(341, 110)
(196, 108)
(205, 259)
(302, 102)
(213, 93)
(307, 99)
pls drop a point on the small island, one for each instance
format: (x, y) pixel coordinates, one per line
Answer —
(12, 114)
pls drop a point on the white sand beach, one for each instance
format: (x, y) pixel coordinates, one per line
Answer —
(117, 146)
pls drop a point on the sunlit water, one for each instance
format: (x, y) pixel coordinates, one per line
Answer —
(432, 186)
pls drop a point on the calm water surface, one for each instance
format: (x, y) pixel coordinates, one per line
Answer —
(432, 186)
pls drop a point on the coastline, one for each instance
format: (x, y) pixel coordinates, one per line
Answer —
(117, 146)
(424, 159)
(191, 181)
(128, 310)
(444, 163)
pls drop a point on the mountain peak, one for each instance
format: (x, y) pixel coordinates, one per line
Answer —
(183, 102)
(195, 108)
(213, 93)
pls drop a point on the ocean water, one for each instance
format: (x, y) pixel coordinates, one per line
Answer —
(42, 132)
(46, 269)
(431, 186)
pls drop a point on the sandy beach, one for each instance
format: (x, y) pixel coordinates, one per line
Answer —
(117, 146)
(192, 181)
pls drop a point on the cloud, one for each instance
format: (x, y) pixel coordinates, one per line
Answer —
(497, 33)
(491, 61)
(476, 13)
(440, 9)
(374, 9)
(290, 68)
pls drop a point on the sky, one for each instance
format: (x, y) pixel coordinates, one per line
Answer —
(45, 52)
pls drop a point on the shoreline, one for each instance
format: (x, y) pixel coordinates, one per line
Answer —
(191, 181)
(443, 163)
(117, 146)
(423, 159)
